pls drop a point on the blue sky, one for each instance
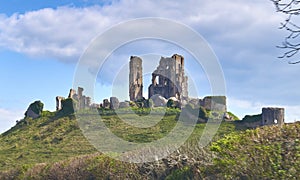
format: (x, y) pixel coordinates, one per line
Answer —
(42, 41)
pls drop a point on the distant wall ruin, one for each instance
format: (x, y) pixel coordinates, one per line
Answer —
(82, 100)
(272, 116)
(269, 116)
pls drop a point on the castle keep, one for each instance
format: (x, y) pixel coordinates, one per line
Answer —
(168, 80)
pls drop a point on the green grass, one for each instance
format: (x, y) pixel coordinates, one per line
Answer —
(54, 147)
(50, 139)
(234, 117)
(253, 118)
(42, 140)
(271, 152)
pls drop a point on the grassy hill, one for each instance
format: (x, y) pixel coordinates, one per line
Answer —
(53, 147)
(270, 152)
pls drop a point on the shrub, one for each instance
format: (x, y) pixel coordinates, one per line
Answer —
(149, 103)
(68, 106)
(253, 118)
(271, 152)
(202, 113)
(233, 116)
(48, 114)
(36, 107)
(170, 103)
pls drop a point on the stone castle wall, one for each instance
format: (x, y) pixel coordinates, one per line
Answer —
(82, 100)
(135, 78)
(272, 116)
(169, 80)
(215, 103)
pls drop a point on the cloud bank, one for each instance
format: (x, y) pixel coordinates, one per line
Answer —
(242, 33)
(65, 32)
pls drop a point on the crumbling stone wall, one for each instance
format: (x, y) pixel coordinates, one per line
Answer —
(80, 92)
(88, 102)
(81, 100)
(72, 94)
(272, 116)
(169, 80)
(58, 102)
(215, 103)
(135, 78)
(114, 103)
(269, 116)
(106, 103)
(84, 101)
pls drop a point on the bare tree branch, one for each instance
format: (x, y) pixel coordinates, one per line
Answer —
(291, 8)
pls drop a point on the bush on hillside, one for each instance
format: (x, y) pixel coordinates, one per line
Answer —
(270, 152)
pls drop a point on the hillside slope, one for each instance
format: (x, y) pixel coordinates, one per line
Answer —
(45, 139)
(53, 147)
(269, 152)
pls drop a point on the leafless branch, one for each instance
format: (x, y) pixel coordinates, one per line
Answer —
(291, 8)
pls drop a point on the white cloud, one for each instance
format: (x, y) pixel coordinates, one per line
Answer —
(61, 33)
(8, 118)
(65, 32)
(243, 34)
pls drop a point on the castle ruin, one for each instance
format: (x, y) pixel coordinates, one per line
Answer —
(168, 80)
(214, 103)
(82, 101)
(169, 83)
(135, 78)
(272, 116)
(268, 116)
(59, 100)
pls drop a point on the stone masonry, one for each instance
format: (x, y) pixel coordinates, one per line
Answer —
(215, 103)
(82, 100)
(272, 115)
(72, 94)
(114, 103)
(58, 102)
(135, 78)
(169, 80)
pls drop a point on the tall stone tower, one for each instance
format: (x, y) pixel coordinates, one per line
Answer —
(80, 90)
(181, 81)
(135, 78)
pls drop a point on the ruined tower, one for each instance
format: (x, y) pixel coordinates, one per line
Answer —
(59, 99)
(80, 90)
(72, 93)
(135, 78)
(169, 80)
(272, 116)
